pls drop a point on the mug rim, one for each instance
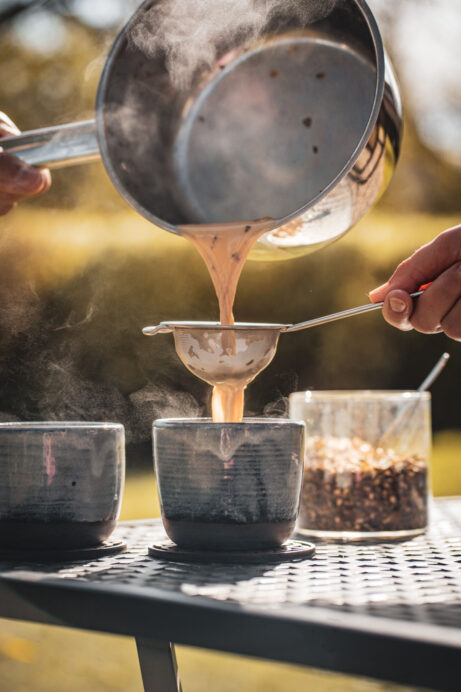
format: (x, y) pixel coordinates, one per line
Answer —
(59, 425)
(245, 423)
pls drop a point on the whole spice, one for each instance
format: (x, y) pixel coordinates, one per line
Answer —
(349, 485)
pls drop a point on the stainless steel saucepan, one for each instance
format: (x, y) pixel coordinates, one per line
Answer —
(292, 115)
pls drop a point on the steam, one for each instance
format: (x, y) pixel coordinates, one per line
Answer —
(19, 310)
(191, 32)
(6, 417)
(156, 401)
(278, 408)
(131, 118)
(72, 321)
(68, 395)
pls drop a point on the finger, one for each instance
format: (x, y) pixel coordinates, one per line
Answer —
(7, 126)
(8, 130)
(6, 207)
(17, 178)
(397, 309)
(437, 301)
(46, 182)
(9, 198)
(451, 323)
(425, 265)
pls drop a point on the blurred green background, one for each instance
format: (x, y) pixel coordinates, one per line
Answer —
(81, 274)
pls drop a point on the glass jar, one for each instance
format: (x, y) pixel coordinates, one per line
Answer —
(366, 464)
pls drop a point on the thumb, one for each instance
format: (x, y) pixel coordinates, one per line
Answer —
(397, 309)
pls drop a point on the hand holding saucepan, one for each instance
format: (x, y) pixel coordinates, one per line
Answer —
(18, 181)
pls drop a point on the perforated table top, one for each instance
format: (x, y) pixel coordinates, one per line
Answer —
(390, 611)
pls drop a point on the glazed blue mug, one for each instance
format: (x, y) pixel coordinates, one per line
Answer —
(62, 483)
(229, 486)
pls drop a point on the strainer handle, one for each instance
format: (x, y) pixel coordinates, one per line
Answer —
(340, 315)
(55, 147)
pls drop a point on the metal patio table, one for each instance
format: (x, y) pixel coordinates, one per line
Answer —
(388, 611)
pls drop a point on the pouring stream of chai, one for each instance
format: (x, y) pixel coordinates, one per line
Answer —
(225, 248)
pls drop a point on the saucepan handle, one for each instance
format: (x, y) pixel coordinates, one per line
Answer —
(55, 147)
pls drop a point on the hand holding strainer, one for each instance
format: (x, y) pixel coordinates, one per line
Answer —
(221, 354)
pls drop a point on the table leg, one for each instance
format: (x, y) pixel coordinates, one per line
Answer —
(159, 668)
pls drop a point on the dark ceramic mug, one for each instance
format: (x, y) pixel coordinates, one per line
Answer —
(61, 483)
(229, 486)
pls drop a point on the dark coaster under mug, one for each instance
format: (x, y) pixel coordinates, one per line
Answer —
(110, 547)
(291, 550)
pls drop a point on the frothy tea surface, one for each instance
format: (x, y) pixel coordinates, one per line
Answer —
(225, 248)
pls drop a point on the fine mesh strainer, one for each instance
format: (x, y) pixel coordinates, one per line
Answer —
(223, 355)
(228, 355)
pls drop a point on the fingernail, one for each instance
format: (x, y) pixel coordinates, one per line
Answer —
(397, 305)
